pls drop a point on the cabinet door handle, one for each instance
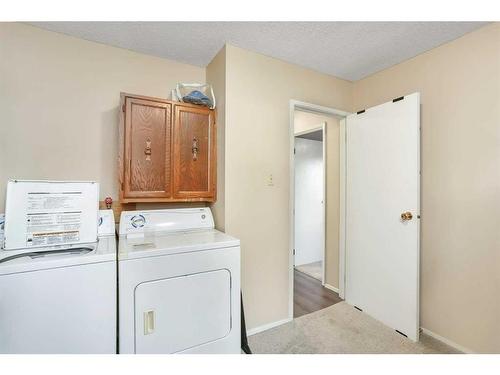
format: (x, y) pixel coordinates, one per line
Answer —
(195, 149)
(147, 150)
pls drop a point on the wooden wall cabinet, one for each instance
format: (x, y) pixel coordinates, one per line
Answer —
(167, 151)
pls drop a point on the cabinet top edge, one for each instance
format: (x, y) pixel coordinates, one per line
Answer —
(124, 95)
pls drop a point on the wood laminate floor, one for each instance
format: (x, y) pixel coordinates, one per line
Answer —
(310, 296)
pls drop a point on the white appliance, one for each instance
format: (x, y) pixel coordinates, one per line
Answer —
(179, 283)
(2, 223)
(59, 298)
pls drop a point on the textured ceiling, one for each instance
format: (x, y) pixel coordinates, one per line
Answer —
(349, 50)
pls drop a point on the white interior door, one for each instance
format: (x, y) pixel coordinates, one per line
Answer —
(309, 201)
(382, 183)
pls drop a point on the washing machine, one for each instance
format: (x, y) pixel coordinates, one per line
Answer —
(179, 283)
(58, 298)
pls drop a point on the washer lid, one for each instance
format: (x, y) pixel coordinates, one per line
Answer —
(166, 243)
(27, 260)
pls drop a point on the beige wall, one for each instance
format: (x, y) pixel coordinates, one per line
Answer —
(259, 89)
(59, 99)
(305, 121)
(216, 76)
(459, 84)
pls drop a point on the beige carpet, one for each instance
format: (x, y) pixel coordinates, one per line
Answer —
(340, 329)
(312, 269)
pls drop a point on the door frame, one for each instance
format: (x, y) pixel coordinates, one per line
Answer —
(317, 109)
(323, 198)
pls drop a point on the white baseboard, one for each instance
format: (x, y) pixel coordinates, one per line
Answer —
(328, 286)
(265, 327)
(446, 341)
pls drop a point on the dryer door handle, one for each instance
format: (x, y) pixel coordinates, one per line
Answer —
(149, 322)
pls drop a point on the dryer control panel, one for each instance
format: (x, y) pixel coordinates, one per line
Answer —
(169, 220)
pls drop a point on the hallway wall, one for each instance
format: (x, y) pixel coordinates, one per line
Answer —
(309, 206)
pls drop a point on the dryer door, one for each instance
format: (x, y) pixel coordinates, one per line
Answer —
(180, 313)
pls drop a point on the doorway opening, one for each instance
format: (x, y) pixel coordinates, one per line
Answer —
(316, 209)
(310, 202)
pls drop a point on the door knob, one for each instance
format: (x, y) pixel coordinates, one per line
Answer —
(406, 216)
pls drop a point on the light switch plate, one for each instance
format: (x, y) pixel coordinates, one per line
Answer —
(270, 181)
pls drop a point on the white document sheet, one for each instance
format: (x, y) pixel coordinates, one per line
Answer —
(48, 213)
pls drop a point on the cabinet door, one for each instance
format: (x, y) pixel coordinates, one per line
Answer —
(147, 149)
(194, 153)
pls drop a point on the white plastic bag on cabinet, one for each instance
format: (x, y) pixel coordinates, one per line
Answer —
(184, 89)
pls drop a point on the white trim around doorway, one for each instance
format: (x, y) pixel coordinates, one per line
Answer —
(318, 109)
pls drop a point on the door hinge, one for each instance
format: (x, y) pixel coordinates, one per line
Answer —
(398, 99)
(401, 333)
(293, 251)
(294, 151)
(123, 107)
